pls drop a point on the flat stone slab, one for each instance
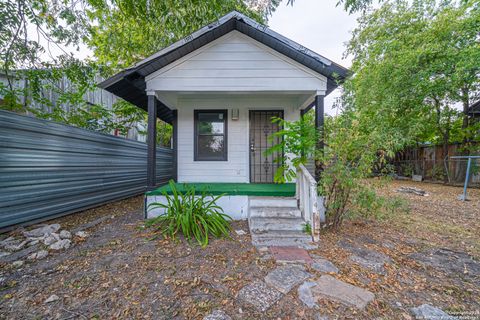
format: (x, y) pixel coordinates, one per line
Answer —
(217, 315)
(347, 294)
(370, 259)
(453, 262)
(291, 254)
(426, 311)
(323, 265)
(259, 295)
(305, 294)
(284, 278)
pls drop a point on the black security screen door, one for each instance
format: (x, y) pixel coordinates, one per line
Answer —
(263, 167)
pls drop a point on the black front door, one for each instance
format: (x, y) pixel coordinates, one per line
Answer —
(263, 167)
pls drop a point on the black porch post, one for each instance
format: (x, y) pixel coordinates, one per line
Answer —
(175, 145)
(319, 123)
(152, 142)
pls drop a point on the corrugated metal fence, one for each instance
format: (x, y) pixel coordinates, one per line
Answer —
(48, 169)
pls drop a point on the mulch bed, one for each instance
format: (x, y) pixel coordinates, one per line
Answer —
(120, 272)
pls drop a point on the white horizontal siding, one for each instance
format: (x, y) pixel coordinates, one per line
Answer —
(236, 169)
(235, 62)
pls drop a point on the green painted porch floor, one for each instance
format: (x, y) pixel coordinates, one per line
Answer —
(232, 189)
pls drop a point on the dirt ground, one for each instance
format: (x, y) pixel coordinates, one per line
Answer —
(120, 272)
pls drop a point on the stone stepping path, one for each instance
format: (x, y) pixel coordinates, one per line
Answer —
(217, 315)
(347, 294)
(284, 278)
(323, 265)
(259, 295)
(290, 255)
(426, 311)
(291, 273)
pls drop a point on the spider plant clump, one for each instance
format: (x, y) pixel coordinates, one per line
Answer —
(195, 216)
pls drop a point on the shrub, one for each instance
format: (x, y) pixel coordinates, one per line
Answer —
(195, 216)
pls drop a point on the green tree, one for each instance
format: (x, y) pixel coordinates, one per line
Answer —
(141, 28)
(412, 64)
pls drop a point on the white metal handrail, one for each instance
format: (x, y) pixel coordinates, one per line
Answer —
(307, 196)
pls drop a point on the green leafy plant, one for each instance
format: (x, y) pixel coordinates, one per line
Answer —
(297, 139)
(195, 216)
(307, 228)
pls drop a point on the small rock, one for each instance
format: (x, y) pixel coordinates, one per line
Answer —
(11, 244)
(3, 281)
(64, 234)
(81, 234)
(321, 317)
(42, 231)
(426, 311)
(18, 264)
(284, 278)
(305, 294)
(33, 242)
(52, 298)
(38, 255)
(323, 265)
(50, 239)
(217, 315)
(266, 257)
(4, 253)
(61, 244)
(259, 295)
(240, 232)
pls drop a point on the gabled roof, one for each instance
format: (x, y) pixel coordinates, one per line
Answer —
(130, 85)
(474, 109)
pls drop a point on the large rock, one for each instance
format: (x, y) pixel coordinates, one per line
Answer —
(60, 245)
(331, 288)
(259, 295)
(426, 311)
(217, 315)
(305, 294)
(42, 231)
(284, 278)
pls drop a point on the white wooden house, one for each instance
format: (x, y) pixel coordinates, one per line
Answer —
(219, 88)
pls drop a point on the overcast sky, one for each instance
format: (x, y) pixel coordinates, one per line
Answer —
(318, 25)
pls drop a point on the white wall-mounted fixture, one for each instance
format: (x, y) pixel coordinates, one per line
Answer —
(235, 114)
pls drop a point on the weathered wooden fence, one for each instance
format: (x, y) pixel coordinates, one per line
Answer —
(430, 163)
(49, 169)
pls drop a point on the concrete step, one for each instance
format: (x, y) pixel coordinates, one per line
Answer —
(275, 212)
(265, 241)
(274, 202)
(281, 234)
(259, 224)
